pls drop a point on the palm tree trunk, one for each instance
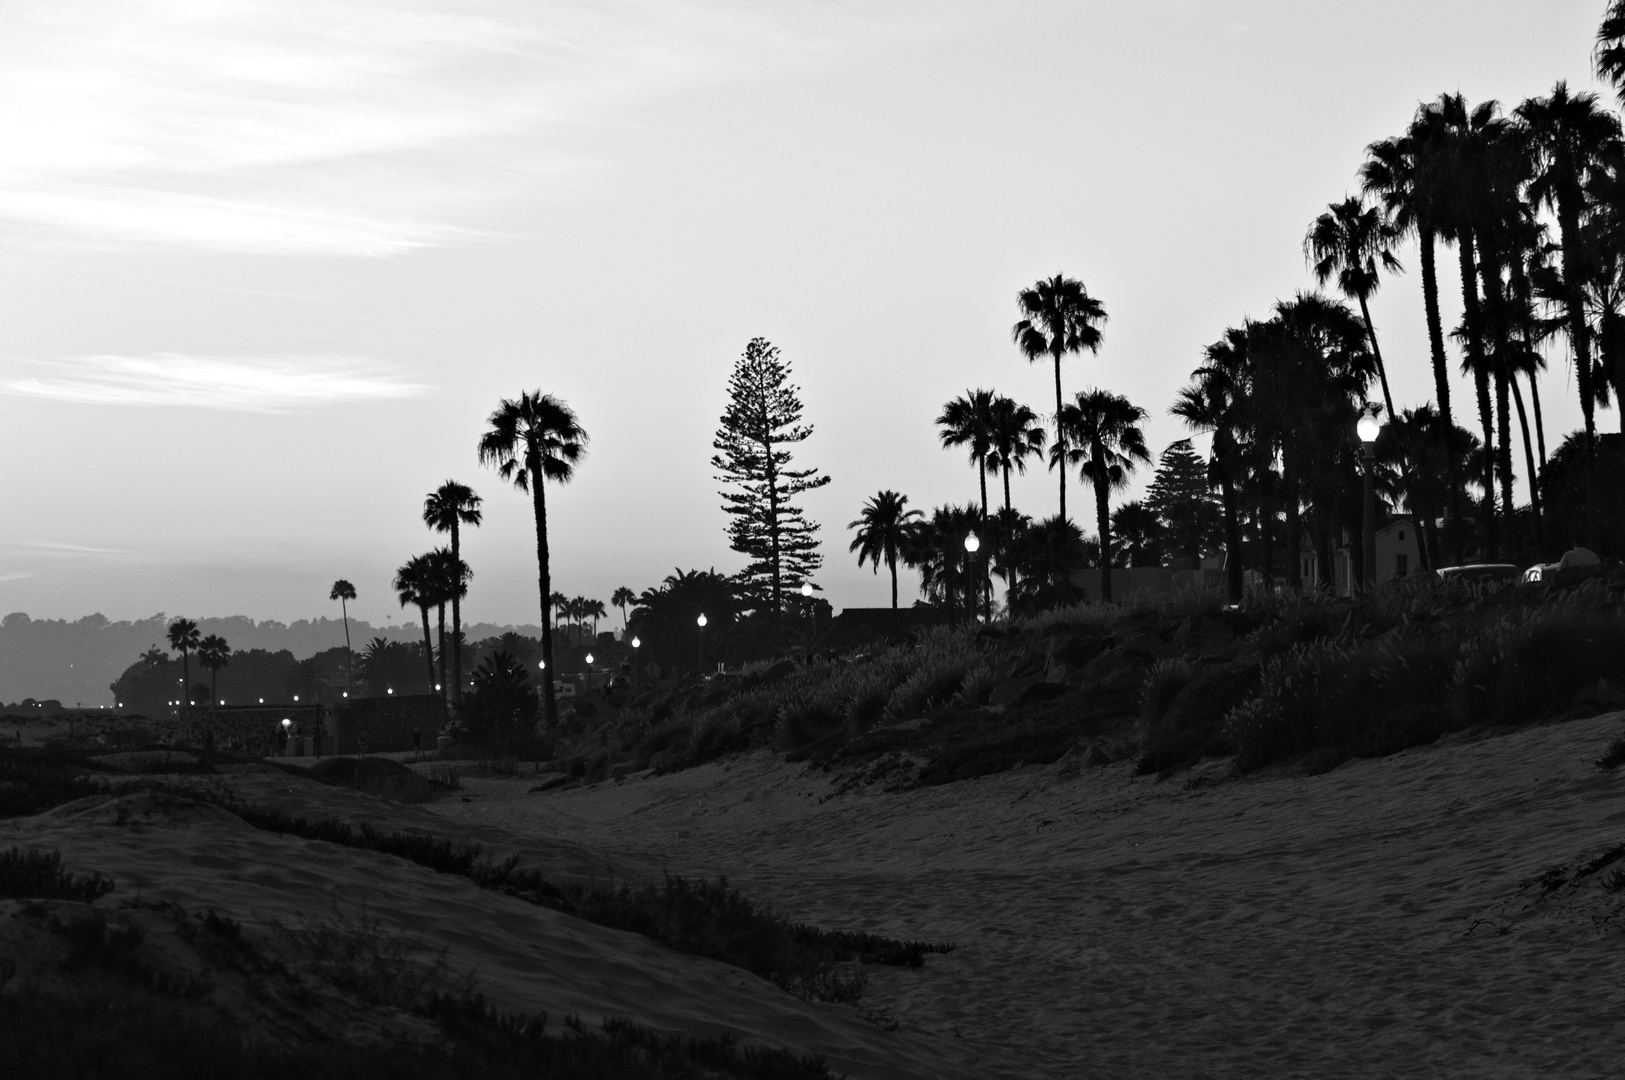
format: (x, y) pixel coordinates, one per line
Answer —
(186, 679)
(456, 616)
(891, 564)
(1103, 521)
(1503, 448)
(981, 478)
(440, 614)
(428, 644)
(1382, 372)
(1007, 479)
(1060, 441)
(550, 708)
(1472, 326)
(1294, 522)
(349, 655)
(1540, 424)
(1233, 571)
(1529, 463)
(1441, 378)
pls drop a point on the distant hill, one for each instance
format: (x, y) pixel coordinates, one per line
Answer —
(75, 662)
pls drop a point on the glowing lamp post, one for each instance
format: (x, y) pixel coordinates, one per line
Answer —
(973, 544)
(1368, 428)
(700, 622)
(806, 594)
(287, 737)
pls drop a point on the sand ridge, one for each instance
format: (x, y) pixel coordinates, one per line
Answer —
(1378, 920)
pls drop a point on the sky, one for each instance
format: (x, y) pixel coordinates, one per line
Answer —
(266, 267)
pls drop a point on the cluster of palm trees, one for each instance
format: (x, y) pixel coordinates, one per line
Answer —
(1097, 432)
(576, 610)
(212, 651)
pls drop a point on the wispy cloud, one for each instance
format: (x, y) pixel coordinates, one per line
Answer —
(267, 384)
(13, 575)
(56, 547)
(344, 127)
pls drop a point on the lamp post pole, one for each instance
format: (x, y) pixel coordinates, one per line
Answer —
(700, 622)
(1368, 429)
(972, 544)
(806, 593)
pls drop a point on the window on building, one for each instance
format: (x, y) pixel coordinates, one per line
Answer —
(1402, 565)
(1402, 535)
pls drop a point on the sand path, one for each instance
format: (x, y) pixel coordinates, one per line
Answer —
(1376, 921)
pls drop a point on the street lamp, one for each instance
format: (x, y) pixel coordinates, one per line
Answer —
(589, 659)
(636, 643)
(287, 736)
(806, 592)
(700, 622)
(973, 544)
(1368, 428)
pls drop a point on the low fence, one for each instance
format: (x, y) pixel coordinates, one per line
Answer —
(357, 726)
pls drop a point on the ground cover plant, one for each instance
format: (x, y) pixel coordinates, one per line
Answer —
(1284, 676)
(704, 918)
(38, 875)
(142, 1038)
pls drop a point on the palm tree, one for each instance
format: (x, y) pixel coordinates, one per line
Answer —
(213, 653)
(578, 616)
(343, 592)
(885, 528)
(1212, 404)
(968, 421)
(1106, 430)
(1405, 173)
(1610, 54)
(415, 583)
(556, 605)
(1058, 317)
(531, 441)
(620, 598)
(184, 638)
(451, 578)
(445, 509)
(1014, 437)
(594, 610)
(1354, 242)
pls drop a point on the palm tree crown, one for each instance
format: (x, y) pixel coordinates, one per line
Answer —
(885, 527)
(1014, 437)
(1058, 316)
(344, 592)
(1352, 242)
(184, 639)
(968, 421)
(531, 440)
(1105, 428)
(445, 509)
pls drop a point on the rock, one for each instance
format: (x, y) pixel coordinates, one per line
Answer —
(1096, 755)
(1042, 691)
(559, 781)
(623, 770)
(1148, 645)
(1010, 691)
(1076, 650)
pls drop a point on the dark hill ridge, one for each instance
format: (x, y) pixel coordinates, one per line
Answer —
(75, 661)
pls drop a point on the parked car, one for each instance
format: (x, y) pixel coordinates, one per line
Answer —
(1540, 572)
(1482, 577)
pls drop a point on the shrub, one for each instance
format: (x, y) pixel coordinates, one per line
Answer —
(38, 875)
(1185, 712)
(1524, 668)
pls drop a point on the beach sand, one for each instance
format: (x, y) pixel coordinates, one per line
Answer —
(1379, 920)
(1384, 919)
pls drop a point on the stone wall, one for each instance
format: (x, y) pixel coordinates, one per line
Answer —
(382, 725)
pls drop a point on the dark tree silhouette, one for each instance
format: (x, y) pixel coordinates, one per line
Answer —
(446, 509)
(753, 459)
(1058, 316)
(213, 653)
(530, 441)
(1104, 430)
(885, 528)
(968, 421)
(184, 639)
(343, 592)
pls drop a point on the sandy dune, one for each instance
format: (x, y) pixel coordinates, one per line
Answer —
(1381, 920)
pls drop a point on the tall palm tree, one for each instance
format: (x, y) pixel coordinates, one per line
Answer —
(532, 440)
(343, 592)
(451, 578)
(1106, 431)
(594, 610)
(446, 509)
(415, 583)
(184, 639)
(557, 603)
(968, 421)
(1014, 437)
(885, 529)
(1212, 404)
(213, 653)
(1058, 316)
(1610, 53)
(620, 598)
(1354, 243)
